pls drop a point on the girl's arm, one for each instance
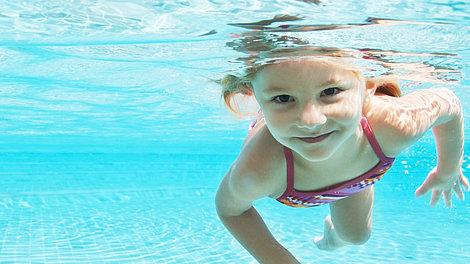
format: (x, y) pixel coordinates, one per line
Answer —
(449, 137)
(406, 119)
(251, 231)
(233, 203)
(447, 175)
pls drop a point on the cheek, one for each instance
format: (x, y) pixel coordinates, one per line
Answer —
(355, 106)
(274, 120)
(346, 109)
(277, 123)
(355, 111)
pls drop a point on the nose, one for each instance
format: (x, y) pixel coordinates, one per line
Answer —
(311, 116)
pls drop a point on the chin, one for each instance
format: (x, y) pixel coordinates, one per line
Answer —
(317, 152)
(316, 155)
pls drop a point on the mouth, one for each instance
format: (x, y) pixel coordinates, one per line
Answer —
(315, 139)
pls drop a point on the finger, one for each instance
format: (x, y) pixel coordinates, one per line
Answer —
(465, 183)
(436, 195)
(423, 189)
(448, 198)
(458, 191)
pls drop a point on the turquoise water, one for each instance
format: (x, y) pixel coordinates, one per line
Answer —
(113, 138)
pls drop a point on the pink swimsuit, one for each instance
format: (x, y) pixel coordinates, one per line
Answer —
(294, 198)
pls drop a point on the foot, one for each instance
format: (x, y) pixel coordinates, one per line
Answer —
(330, 240)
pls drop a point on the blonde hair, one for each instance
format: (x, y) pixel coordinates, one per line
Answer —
(386, 86)
(233, 85)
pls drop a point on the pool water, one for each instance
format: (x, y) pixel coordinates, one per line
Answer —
(113, 137)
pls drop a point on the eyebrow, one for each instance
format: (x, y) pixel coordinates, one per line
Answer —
(274, 90)
(331, 81)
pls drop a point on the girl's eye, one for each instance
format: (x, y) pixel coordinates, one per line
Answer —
(331, 91)
(282, 98)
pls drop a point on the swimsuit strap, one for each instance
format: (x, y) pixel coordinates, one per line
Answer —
(290, 167)
(290, 173)
(372, 140)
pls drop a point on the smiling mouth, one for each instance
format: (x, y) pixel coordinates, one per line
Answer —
(315, 139)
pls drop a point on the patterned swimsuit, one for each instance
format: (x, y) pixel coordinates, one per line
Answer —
(294, 198)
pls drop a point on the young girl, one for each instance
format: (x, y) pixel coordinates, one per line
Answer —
(325, 135)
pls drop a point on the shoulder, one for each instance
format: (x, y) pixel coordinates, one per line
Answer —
(254, 174)
(398, 122)
(389, 119)
(259, 163)
(386, 136)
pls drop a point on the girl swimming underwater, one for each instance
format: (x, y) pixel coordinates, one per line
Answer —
(325, 135)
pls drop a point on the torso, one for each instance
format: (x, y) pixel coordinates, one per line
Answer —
(307, 180)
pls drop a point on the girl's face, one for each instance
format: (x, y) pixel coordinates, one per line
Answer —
(310, 106)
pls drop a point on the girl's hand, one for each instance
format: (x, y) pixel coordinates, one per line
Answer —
(443, 184)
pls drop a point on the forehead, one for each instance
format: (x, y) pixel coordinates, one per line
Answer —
(310, 71)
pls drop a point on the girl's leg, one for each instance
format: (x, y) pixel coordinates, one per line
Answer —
(350, 221)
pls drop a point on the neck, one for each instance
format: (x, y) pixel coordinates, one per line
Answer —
(345, 154)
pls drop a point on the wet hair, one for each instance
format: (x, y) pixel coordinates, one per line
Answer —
(233, 85)
(387, 86)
